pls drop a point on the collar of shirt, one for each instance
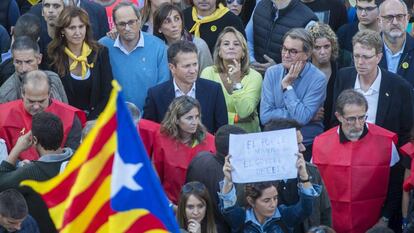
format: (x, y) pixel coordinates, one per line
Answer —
(5, 56)
(179, 93)
(343, 139)
(393, 59)
(388, 50)
(250, 216)
(118, 44)
(373, 89)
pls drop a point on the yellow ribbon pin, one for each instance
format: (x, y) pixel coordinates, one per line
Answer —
(405, 65)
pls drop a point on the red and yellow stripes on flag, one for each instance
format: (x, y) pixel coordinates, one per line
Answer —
(79, 198)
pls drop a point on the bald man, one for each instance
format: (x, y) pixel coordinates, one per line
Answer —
(16, 116)
(398, 44)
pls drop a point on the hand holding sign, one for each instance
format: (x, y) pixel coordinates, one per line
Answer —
(265, 156)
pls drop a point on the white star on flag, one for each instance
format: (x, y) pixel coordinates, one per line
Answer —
(123, 175)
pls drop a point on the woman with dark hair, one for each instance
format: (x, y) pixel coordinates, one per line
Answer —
(169, 27)
(181, 137)
(262, 213)
(150, 6)
(81, 62)
(241, 84)
(195, 209)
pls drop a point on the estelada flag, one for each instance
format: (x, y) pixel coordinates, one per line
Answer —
(109, 184)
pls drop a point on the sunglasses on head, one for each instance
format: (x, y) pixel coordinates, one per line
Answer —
(240, 2)
(193, 186)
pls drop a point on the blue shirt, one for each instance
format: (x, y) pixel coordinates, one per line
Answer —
(393, 60)
(300, 103)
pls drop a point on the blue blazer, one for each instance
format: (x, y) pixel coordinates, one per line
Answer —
(407, 70)
(208, 93)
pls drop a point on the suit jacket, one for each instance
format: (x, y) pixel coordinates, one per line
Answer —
(406, 64)
(395, 103)
(208, 93)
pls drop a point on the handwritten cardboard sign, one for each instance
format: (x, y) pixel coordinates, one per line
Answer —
(265, 156)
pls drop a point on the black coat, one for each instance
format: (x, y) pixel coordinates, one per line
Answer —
(395, 103)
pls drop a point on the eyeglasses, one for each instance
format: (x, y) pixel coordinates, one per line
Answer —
(292, 52)
(390, 18)
(363, 57)
(353, 119)
(366, 9)
(193, 186)
(240, 2)
(130, 23)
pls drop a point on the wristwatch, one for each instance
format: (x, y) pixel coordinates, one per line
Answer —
(237, 86)
(304, 181)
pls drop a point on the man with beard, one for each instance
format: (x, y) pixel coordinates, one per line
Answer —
(389, 103)
(355, 160)
(398, 44)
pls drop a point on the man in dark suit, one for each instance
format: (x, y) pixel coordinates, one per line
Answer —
(183, 64)
(390, 104)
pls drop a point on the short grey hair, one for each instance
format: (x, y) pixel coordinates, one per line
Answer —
(125, 4)
(350, 96)
(303, 35)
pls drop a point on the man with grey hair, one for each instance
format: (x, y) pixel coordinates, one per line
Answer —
(138, 59)
(398, 44)
(389, 99)
(26, 58)
(295, 89)
(347, 156)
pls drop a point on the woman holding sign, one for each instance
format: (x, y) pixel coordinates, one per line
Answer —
(263, 213)
(181, 137)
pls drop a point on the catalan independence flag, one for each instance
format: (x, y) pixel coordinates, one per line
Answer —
(109, 185)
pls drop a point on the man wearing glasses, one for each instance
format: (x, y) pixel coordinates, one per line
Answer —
(389, 99)
(367, 13)
(398, 44)
(295, 89)
(138, 60)
(355, 160)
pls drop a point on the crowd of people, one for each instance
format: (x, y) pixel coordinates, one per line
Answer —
(340, 73)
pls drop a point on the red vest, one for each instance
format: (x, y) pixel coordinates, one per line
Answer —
(14, 120)
(147, 130)
(171, 160)
(356, 176)
(408, 149)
